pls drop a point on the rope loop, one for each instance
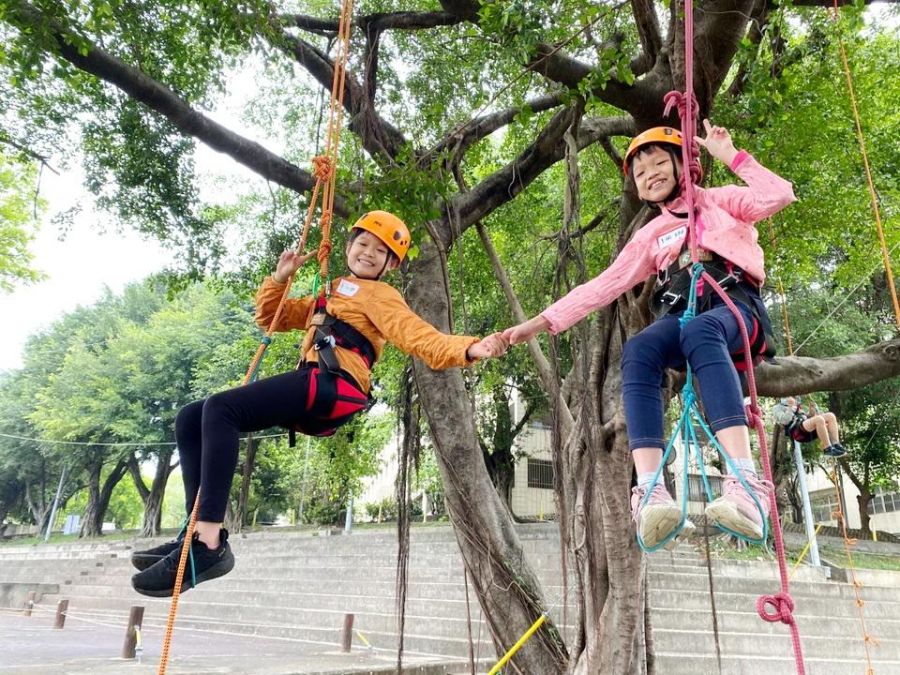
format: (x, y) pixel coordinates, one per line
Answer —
(781, 603)
(323, 167)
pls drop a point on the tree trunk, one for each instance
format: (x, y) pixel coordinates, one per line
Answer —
(509, 593)
(38, 506)
(154, 503)
(246, 475)
(99, 496)
(612, 619)
(862, 500)
(91, 520)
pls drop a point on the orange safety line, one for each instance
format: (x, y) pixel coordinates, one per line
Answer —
(849, 543)
(873, 195)
(324, 169)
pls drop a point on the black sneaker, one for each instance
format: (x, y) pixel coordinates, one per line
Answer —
(835, 450)
(144, 559)
(158, 580)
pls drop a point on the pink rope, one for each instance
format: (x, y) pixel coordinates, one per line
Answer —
(782, 603)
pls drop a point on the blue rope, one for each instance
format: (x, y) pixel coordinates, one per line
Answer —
(691, 444)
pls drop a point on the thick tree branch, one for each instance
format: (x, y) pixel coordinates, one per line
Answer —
(802, 375)
(547, 149)
(825, 3)
(463, 136)
(313, 24)
(380, 139)
(379, 21)
(467, 10)
(159, 98)
(754, 35)
(648, 30)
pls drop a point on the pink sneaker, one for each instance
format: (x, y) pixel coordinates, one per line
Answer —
(658, 517)
(737, 511)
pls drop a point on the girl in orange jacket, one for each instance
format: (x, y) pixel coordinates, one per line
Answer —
(344, 338)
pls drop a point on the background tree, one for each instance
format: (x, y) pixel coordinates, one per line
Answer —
(19, 208)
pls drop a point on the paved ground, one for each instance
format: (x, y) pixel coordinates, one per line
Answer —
(30, 646)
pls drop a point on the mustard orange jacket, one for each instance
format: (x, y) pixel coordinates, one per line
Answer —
(376, 310)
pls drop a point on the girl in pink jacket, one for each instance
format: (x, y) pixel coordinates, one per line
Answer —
(727, 241)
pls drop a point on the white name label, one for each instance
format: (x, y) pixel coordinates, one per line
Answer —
(347, 288)
(669, 238)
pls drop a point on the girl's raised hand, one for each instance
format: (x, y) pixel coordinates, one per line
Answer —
(288, 263)
(718, 142)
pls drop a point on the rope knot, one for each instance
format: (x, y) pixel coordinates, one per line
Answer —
(782, 604)
(754, 414)
(324, 251)
(323, 167)
(676, 99)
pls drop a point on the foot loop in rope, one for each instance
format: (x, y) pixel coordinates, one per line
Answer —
(781, 603)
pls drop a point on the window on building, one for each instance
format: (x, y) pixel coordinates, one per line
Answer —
(884, 502)
(696, 491)
(540, 474)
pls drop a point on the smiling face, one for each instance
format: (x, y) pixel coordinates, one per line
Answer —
(654, 174)
(368, 257)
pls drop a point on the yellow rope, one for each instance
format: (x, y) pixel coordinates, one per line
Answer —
(516, 647)
(873, 195)
(324, 169)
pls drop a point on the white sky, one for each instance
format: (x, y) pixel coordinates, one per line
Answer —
(86, 261)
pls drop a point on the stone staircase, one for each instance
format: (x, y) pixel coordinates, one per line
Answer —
(293, 586)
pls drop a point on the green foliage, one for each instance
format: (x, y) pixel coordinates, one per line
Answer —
(17, 181)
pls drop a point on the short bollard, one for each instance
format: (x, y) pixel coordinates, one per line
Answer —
(347, 635)
(135, 619)
(29, 603)
(61, 610)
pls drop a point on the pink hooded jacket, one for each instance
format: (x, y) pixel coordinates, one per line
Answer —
(725, 225)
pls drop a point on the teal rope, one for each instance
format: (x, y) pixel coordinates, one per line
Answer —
(691, 444)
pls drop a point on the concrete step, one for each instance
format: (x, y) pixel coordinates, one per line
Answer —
(683, 662)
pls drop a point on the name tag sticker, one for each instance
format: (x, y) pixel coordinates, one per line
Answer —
(669, 238)
(347, 288)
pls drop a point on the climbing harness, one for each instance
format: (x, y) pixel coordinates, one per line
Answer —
(334, 397)
(672, 290)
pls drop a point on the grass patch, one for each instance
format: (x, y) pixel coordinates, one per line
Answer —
(868, 561)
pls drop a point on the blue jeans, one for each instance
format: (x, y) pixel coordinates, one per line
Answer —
(706, 343)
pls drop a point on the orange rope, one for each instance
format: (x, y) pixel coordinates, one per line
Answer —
(873, 195)
(849, 543)
(324, 169)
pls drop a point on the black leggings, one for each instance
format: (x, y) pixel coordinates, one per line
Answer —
(207, 433)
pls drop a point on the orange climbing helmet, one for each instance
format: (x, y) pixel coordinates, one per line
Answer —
(388, 228)
(664, 135)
